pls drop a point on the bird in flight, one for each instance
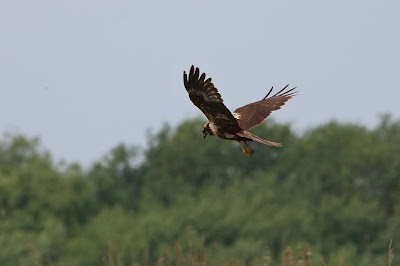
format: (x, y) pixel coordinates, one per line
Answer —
(227, 125)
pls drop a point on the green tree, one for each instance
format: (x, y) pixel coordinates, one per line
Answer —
(336, 187)
(116, 178)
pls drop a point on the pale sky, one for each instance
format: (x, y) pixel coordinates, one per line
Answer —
(86, 75)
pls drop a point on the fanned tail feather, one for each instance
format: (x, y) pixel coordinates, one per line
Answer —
(248, 135)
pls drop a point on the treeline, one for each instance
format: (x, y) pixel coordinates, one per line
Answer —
(335, 188)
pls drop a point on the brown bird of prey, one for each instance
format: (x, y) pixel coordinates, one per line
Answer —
(227, 125)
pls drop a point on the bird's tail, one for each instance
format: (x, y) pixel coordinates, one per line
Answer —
(248, 135)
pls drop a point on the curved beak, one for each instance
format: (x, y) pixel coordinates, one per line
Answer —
(204, 134)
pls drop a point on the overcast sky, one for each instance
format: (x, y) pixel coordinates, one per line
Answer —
(86, 75)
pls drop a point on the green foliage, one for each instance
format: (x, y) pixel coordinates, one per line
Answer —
(186, 199)
(116, 180)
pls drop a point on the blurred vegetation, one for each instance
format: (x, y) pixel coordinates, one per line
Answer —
(334, 190)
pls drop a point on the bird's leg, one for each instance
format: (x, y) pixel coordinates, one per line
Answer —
(249, 150)
(245, 151)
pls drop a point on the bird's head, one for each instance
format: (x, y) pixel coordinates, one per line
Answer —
(207, 130)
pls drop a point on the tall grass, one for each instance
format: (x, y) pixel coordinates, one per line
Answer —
(390, 254)
(298, 257)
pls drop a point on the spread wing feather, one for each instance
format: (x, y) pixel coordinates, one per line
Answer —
(253, 114)
(206, 97)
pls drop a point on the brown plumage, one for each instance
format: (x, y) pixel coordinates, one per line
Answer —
(222, 122)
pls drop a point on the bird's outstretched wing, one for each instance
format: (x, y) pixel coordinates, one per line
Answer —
(206, 97)
(253, 114)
